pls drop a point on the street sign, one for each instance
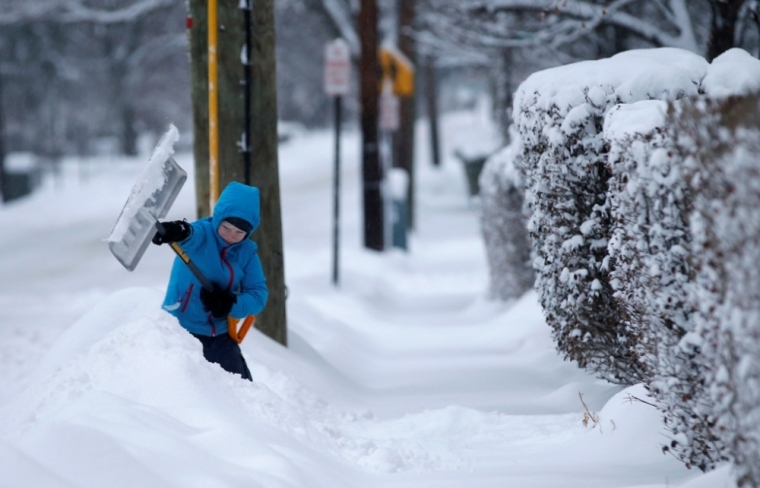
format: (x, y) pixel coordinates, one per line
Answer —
(398, 69)
(337, 68)
(390, 109)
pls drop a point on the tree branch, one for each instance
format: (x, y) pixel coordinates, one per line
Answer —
(73, 11)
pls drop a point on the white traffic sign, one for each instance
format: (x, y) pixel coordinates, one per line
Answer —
(337, 68)
(389, 110)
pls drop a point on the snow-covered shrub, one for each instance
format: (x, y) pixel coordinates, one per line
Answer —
(651, 245)
(559, 116)
(723, 139)
(504, 226)
(650, 204)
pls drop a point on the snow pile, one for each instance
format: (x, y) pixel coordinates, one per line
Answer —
(154, 363)
(136, 405)
(735, 72)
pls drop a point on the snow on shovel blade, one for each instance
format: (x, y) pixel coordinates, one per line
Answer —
(150, 200)
(135, 226)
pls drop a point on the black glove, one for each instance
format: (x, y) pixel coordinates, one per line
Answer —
(217, 301)
(178, 230)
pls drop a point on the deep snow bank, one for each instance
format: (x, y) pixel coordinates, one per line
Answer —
(135, 404)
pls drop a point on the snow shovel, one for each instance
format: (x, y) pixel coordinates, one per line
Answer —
(237, 334)
(150, 199)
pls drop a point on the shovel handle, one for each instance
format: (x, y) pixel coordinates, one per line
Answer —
(239, 334)
(186, 259)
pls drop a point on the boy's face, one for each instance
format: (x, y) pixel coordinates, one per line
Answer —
(229, 233)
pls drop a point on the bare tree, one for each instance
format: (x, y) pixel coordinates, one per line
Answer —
(79, 67)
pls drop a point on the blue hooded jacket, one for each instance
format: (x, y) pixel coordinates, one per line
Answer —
(234, 267)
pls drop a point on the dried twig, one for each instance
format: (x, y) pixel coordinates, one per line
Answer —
(593, 417)
(632, 398)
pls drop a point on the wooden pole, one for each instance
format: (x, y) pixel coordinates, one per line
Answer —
(263, 152)
(231, 123)
(372, 173)
(404, 139)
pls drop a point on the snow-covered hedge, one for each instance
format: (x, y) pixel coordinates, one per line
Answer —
(503, 224)
(559, 115)
(722, 139)
(630, 237)
(650, 204)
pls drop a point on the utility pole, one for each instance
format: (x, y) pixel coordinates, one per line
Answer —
(258, 131)
(404, 140)
(372, 173)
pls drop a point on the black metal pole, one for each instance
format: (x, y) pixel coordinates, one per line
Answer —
(336, 193)
(3, 179)
(247, 95)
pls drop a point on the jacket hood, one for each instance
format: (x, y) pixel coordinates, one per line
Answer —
(238, 200)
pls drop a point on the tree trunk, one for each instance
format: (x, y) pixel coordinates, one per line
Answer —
(372, 173)
(404, 140)
(431, 96)
(262, 94)
(264, 166)
(504, 92)
(723, 27)
(129, 134)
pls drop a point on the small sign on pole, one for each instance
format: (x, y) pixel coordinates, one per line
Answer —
(337, 85)
(390, 111)
(337, 68)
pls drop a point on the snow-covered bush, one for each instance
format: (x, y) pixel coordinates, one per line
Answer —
(559, 116)
(650, 204)
(723, 139)
(651, 200)
(503, 224)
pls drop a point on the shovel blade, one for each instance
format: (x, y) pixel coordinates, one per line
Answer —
(150, 200)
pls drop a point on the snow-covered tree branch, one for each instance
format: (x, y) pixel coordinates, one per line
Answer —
(76, 11)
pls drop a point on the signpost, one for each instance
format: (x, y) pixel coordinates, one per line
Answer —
(337, 84)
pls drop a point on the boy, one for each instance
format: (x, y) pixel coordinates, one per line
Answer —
(220, 248)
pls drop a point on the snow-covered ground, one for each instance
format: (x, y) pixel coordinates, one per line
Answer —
(403, 376)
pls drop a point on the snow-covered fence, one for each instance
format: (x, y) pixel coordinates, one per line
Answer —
(650, 204)
(723, 140)
(559, 115)
(504, 227)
